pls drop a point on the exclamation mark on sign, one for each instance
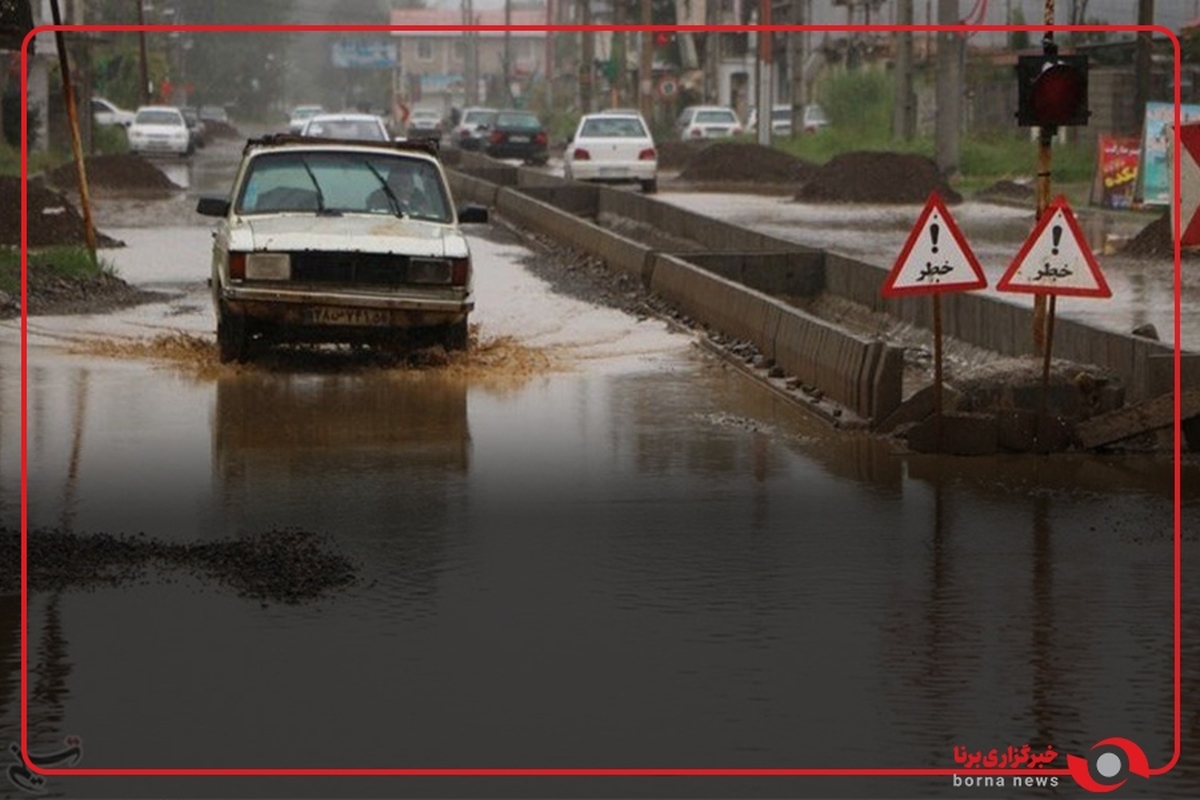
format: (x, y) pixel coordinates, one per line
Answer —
(1055, 234)
(933, 233)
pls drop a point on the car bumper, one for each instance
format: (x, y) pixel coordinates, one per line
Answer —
(150, 147)
(614, 171)
(321, 308)
(519, 150)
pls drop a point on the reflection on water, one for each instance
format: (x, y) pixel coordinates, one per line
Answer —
(658, 565)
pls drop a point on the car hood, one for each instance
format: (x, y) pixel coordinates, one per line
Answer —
(361, 233)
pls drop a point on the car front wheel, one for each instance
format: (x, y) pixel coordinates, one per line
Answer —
(232, 341)
(455, 337)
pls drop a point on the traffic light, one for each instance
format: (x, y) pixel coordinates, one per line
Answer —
(1052, 90)
(662, 38)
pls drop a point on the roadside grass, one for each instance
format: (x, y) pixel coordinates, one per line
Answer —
(65, 261)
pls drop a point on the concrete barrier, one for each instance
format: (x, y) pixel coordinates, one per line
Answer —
(779, 274)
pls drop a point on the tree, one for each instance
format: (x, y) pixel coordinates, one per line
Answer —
(1018, 40)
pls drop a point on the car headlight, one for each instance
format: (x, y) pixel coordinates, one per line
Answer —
(268, 267)
(429, 270)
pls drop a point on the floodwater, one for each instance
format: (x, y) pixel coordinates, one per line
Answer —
(590, 546)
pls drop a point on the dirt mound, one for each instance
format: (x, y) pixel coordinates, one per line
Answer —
(867, 177)
(117, 171)
(1154, 241)
(52, 218)
(674, 154)
(744, 161)
(220, 130)
(1005, 191)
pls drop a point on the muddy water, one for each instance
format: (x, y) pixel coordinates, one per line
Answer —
(586, 545)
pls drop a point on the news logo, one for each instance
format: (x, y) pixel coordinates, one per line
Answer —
(1108, 765)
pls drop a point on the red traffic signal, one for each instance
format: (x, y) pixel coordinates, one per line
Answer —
(662, 38)
(1052, 90)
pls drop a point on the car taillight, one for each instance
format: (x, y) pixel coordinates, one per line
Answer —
(496, 138)
(737, 129)
(460, 271)
(697, 133)
(540, 138)
(581, 155)
(237, 266)
(647, 155)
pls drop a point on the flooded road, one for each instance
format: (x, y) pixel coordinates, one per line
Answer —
(587, 546)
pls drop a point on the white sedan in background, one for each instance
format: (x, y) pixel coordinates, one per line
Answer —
(360, 127)
(612, 147)
(159, 129)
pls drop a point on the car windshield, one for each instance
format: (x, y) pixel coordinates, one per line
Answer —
(613, 127)
(304, 112)
(527, 122)
(365, 129)
(724, 117)
(425, 115)
(782, 115)
(157, 117)
(213, 112)
(346, 183)
(477, 117)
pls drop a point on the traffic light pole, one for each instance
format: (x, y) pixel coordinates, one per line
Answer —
(1043, 317)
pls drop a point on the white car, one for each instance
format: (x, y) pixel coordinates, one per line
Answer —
(106, 113)
(339, 242)
(301, 115)
(363, 127)
(707, 122)
(159, 129)
(424, 123)
(781, 120)
(472, 127)
(613, 147)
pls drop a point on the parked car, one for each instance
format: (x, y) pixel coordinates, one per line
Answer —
(707, 122)
(424, 123)
(301, 115)
(472, 126)
(339, 242)
(781, 120)
(518, 134)
(196, 126)
(613, 147)
(814, 118)
(366, 127)
(107, 113)
(214, 114)
(159, 129)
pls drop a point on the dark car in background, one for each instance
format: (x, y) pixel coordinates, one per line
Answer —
(472, 127)
(517, 134)
(196, 126)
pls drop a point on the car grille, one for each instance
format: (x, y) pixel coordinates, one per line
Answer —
(361, 269)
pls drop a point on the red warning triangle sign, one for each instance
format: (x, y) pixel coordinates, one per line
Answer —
(1055, 259)
(935, 258)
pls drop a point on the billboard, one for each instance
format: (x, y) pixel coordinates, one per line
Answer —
(363, 54)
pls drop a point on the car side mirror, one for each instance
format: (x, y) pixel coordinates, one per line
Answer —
(213, 206)
(473, 215)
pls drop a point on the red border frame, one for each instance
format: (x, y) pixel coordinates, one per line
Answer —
(676, 772)
(1005, 283)
(934, 203)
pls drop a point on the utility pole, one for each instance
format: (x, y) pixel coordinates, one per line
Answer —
(646, 65)
(948, 128)
(587, 59)
(508, 51)
(1142, 62)
(712, 50)
(64, 66)
(904, 114)
(548, 70)
(765, 80)
(796, 58)
(143, 68)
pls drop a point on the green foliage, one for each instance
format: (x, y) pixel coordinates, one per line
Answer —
(39, 160)
(861, 100)
(69, 262)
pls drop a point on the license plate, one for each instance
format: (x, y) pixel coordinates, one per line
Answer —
(612, 172)
(519, 138)
(332, 315)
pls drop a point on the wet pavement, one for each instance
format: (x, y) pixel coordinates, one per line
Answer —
(588, 546)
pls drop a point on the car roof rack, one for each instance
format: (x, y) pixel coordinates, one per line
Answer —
(426, 146)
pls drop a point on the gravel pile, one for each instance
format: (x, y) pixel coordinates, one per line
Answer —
(279, 566)
(1008, 191)
(51, 293)
(746, 162)
(1153, 241)
(673, 155)
(53, 219)
(868, 177)
(117, 171)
